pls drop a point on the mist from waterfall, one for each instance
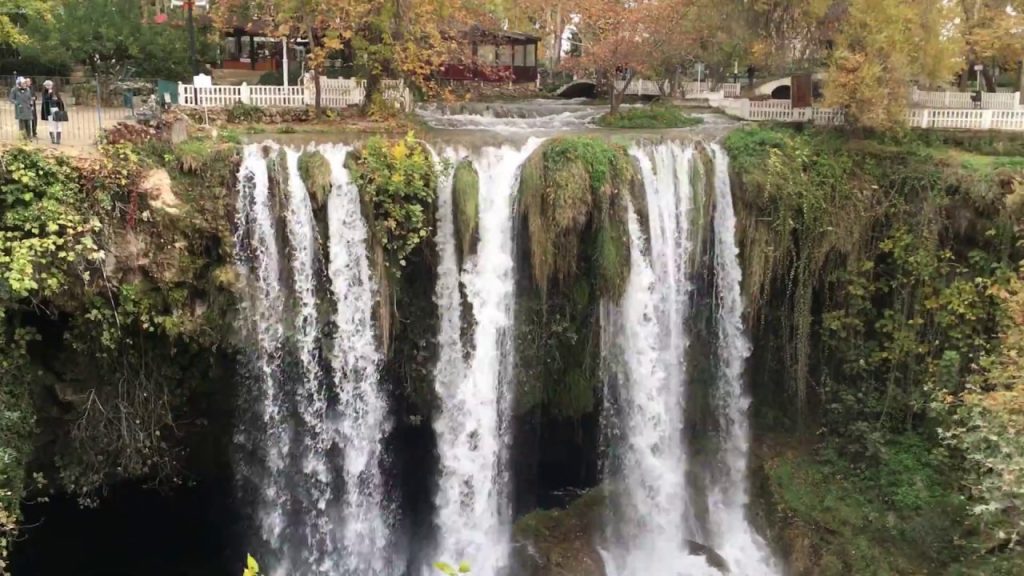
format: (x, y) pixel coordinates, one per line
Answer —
(312, 447)
(473, 379)
(653, 515)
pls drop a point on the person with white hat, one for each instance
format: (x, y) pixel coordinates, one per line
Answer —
(24, 111)
(53, 110)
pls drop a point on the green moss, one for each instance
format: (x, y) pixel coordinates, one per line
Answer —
(202, 155)
(649, 117)
(465, 195)
(569, 191)
(316, 174)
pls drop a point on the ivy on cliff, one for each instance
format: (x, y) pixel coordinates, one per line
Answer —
(108, 304)
(882, 272)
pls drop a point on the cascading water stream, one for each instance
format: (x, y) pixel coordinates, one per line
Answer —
(315, 487)
(472, 427)
(359, 423)
(651, 516)
(728, 497)
(256, 242)
(645, 338)
(321, 503)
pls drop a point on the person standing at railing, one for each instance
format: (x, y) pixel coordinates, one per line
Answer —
(21, 97)
(53, 110)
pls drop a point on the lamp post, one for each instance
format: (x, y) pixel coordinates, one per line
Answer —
(191, 37)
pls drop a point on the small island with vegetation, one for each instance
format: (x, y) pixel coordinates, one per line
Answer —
(649, 117)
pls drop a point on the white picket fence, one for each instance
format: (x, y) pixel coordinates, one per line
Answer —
(334, 93)
(989, 100)
(965, 119)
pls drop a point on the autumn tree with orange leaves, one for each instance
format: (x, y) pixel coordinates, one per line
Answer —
(616, 48)
(401, 39)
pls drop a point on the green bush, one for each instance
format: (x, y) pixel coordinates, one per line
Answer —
(241, 113)
(397, 179)
(649, 117)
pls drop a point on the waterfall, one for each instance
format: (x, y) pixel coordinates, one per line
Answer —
(652, 509)
(472, 425)
(651, 516)
(312, 447)
(315, 487)
(728, 497)
(360, 423)
(256, 242)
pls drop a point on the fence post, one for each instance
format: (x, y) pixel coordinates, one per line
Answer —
(99, 104)
(986, 119)
(1016, 101)
(181, 94)
(924, 118)
(309, 90)
(244, 93)
(745, 109)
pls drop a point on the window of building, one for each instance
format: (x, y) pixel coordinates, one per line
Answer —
(505, 56)
(531, 55)
(519, 56)
(487, 54)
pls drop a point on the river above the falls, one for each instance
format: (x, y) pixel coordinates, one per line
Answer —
(474, 125)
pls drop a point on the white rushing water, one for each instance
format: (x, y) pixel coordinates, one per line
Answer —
(511, 117)
(319, 436)
(652, 517)
(652, 509)
(315, 485)
(256, 241)
(360, 422)
(472, 426)
(728, 497)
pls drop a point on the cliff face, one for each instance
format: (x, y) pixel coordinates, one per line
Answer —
(880, 278)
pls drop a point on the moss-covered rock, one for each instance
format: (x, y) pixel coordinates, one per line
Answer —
(570, 189)
(466, 197)
(563, 542)
(573, 197)
(316, 174)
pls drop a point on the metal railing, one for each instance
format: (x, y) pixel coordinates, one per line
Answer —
(92, 105)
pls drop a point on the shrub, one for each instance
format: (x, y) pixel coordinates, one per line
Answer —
(397, 179)
(242, 113)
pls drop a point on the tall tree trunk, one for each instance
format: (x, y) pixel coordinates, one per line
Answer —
(556, 54)
(1020, 78)
(618, 95)
(989, 80)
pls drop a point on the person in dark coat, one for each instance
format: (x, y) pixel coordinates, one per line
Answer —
(21, 97)
(52, 103)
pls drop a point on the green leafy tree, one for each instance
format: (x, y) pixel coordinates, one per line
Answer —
(15, 13)
(109, 36)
